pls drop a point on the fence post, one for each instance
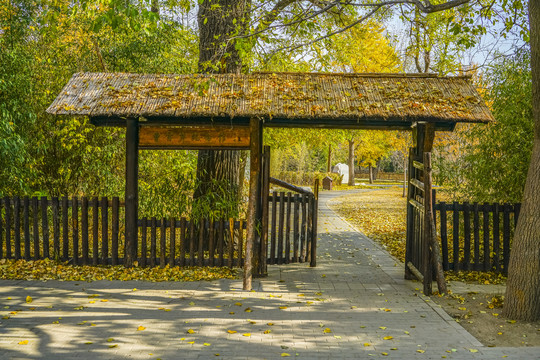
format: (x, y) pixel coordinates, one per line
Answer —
(132, 190)
(45, 227)
(313, 262)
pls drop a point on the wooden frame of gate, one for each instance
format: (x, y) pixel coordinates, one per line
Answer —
(197, 104)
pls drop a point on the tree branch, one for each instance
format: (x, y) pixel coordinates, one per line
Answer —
(272, 15)
(362, 19)
(427, 8)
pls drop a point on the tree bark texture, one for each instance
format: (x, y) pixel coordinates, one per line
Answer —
(217, 167)
(370, 174)
(522, 301)
(218, 20)
(351, 163)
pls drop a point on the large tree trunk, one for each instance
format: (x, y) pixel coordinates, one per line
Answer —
(370, 174)
(351, 163)
(217, 20)
(522, 299)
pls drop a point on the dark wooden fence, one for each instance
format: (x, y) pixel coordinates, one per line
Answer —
(87, 231)
(476, 236)
(292, 228)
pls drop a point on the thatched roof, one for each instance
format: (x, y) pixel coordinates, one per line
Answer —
(288, 99)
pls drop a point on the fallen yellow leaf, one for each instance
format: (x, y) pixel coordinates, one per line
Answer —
(247, 334)
(232, 331)
(24, 342)
(28, 299)
(388, 338)
(141, 328)
(191, 331)
(327, 330)
(285, 354)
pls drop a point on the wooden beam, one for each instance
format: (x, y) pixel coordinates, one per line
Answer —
(430, 232)
(132, 190)
(429, 137)
(308, 122)
(203, 137)
(288, 186)
(415, 271)
(255, 169)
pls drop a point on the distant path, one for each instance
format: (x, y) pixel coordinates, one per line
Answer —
(353, 305)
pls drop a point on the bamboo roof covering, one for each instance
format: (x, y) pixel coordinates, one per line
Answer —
(281, 99)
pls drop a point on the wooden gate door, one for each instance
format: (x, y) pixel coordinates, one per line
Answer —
(422, 246)
(289, 221)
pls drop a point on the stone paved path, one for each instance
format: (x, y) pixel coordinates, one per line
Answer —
(343, 309)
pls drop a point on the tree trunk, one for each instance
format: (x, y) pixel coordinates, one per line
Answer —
(329, 166)
(404, 178)
(522, 301)
(216, 20)
(370, 174)
(351, 163)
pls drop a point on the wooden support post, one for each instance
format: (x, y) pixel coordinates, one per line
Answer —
(251, 260)
(410, 215)
(132, 190)
(260, 269)
(409, 232)
(428, 134)
(265, 191)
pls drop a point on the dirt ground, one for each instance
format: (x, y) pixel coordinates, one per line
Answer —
(481, 315)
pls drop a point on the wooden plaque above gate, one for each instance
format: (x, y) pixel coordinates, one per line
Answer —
(204, 137)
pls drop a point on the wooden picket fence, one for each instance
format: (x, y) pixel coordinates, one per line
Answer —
(87, 231)
(476, 237)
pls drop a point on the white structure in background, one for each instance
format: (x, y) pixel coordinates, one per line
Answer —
(343, 170)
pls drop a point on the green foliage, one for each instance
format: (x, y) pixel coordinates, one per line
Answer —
(41, 46)
(494, 162)
(166, 183)
(220, 203)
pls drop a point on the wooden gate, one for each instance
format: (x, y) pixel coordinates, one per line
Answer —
(422, 257)
(289, 221)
